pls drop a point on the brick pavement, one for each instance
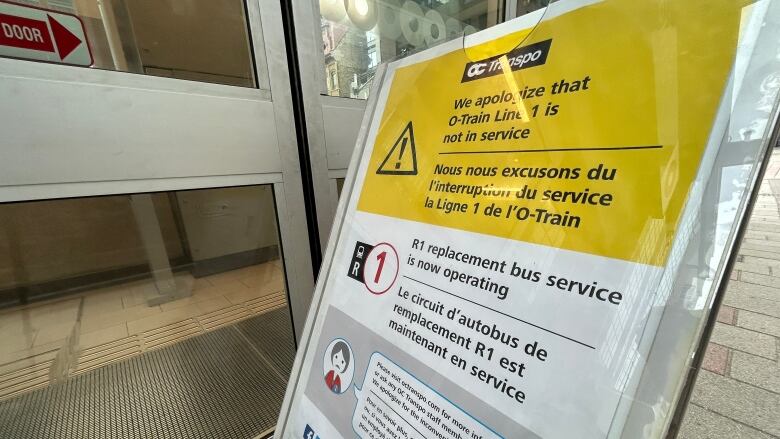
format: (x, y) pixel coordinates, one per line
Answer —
(737, 394)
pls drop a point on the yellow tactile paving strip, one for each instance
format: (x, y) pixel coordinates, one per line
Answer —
(116, 324)
(26, 378)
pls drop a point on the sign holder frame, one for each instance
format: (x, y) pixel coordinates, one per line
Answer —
(721, 285)
(335, 232)
(714, 294)
(738, 89)
(739, 229)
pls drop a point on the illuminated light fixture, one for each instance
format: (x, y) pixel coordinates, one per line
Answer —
(333, 10)
(389, 20)
(411, 23)
(435, 30)
(454, 28)
(361, 6)
(362, 13)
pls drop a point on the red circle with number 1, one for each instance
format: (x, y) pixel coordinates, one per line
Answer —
(381, 268)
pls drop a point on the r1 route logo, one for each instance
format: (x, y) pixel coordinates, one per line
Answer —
(375, 266)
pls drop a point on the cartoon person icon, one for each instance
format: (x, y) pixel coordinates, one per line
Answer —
(337, 365)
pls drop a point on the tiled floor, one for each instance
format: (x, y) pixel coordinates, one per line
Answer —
(738, 394)
(49, 340)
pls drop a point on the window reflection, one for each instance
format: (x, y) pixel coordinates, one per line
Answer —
(358, 35)
(115, 303)
(197, 40)
(523, 7)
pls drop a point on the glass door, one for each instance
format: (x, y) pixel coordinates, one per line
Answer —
(154, 254)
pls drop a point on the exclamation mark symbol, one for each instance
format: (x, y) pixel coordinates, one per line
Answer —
(401, 155)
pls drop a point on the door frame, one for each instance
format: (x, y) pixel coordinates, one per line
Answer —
(65, 155)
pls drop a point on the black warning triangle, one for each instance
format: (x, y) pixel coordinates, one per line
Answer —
(402, 158)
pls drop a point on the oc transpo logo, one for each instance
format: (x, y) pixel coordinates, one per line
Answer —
(521, 58)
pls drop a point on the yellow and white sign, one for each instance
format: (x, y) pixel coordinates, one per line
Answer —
(511, 215)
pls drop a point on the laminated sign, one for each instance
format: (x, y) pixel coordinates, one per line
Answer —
(509, 217)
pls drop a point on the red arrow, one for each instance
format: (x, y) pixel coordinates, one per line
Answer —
(66, 41)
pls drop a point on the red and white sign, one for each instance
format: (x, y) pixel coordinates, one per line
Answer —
(381, 269)
(44, 35)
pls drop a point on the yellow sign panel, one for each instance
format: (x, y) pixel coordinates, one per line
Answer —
(587, 136)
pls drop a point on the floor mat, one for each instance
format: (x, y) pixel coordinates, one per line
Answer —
(273, 337)
(216, 385)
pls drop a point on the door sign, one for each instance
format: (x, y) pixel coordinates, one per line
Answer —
(43, 35)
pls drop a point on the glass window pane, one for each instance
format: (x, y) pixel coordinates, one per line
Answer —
(358, 35)
(199, 40)
(144, 315)
(526, 6)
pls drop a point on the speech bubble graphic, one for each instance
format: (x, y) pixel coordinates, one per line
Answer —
(394, 404)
